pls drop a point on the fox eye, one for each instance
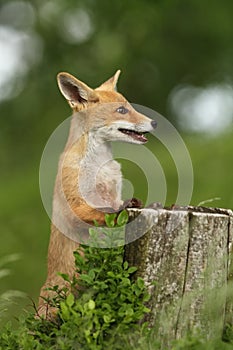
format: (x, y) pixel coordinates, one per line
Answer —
(122, 110)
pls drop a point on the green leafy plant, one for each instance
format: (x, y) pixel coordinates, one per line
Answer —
(105, 307)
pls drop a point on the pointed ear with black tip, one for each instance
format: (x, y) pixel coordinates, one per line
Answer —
(75, 91)
(110, 84)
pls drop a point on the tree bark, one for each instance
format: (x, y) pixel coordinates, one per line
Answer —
(185, 251)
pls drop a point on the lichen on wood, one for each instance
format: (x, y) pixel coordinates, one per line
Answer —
(186, 252)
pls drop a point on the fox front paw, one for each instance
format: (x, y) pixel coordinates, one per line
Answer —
(133, 203)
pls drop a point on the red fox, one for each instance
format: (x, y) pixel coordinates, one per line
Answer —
(88, 181)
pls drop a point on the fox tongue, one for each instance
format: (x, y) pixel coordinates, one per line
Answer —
(135, 135)
(139, 137)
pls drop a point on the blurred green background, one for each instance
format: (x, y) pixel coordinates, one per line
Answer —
(176, 57)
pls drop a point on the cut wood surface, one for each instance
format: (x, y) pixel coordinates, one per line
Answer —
(186, 252)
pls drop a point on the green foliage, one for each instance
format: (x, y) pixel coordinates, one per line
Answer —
(105, 310)
(102, 312)
(114, 233)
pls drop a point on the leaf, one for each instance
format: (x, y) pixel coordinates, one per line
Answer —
(91, 304)
(129, 311)
(107, 318)
(106, 306)
(91, 274)
(140, 283)
(125, 281)
(137, 291)
(132, 269)
(70, 300)
(64, 276)
(125, 265)
(110, 219)
(64, 311)
(146, 297)
(111, 274)
(146, 310)
(96, 223)
(122, 218)
(85, 278)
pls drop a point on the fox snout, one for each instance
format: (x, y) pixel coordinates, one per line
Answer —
(154, 124)
(134, 132)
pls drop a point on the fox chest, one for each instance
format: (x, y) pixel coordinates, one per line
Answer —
(100, 184)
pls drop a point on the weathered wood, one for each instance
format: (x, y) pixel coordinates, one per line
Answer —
(186, 252)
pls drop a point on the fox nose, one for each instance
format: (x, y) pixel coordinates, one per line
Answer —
(153, 124)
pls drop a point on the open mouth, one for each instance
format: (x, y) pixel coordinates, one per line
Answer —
(138, 136)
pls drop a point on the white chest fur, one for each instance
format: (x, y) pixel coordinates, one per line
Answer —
(100, 178)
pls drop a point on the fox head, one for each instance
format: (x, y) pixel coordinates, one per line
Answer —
(108, 115)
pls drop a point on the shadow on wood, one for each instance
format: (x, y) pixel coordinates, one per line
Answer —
(186, 252)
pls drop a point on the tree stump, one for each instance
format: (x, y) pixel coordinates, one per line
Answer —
(186, 252)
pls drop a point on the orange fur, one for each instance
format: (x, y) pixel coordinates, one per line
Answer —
(88, 178)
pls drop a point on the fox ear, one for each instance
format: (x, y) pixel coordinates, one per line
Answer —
(110, 84)
(75, 91)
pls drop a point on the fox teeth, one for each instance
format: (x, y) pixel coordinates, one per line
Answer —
(139, 136)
